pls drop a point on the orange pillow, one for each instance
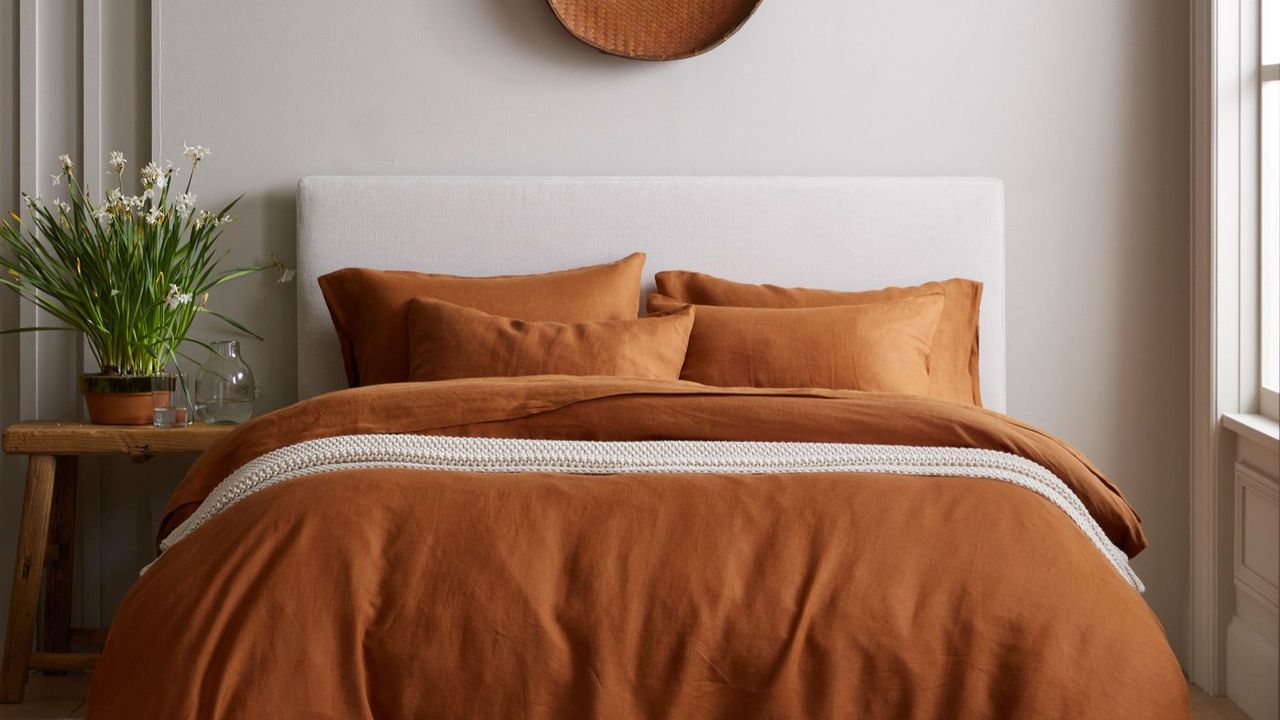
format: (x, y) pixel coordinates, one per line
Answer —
(369, 307)
(882, 346)
(953, 370)
(447, 341)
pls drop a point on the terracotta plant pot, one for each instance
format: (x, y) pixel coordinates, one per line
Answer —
(117, 399)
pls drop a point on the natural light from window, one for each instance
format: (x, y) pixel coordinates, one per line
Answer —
(1270, 205)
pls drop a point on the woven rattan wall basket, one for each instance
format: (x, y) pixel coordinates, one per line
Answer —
(653, 29)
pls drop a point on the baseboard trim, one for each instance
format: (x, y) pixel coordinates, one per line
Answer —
(1252, 666)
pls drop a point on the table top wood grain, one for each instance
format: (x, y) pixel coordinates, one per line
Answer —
(70, 437)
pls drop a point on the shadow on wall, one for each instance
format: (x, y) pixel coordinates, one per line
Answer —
(1154, 217)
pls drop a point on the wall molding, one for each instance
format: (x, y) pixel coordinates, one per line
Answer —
(91, 92)
(28, 177)
(64, 71)
(157, 139)
(88, 578)
(1254, 688)
(1250, 483)
(1203, 658)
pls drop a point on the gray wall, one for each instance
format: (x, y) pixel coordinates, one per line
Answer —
(1081, 107)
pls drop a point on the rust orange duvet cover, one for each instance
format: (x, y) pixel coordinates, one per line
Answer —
(556, 547)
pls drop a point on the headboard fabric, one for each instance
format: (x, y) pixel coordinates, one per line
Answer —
(838, 233)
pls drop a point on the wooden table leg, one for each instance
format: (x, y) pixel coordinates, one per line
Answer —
(57, 578)
(33, 538)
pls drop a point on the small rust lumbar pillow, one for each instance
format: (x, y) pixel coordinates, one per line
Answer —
(448, 342)
(369, 307)
(954, 365)
(881, 347)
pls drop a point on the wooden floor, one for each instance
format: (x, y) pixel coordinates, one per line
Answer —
(1213, 707)
(63, 697)
(51, 697)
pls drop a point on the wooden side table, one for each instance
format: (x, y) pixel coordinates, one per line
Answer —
(46, 535)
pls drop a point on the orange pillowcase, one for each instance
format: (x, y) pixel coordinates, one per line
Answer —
(881, 347)
(953, 370)
(448, 341)
(370, 307)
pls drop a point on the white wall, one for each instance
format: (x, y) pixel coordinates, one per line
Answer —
(1080, 106)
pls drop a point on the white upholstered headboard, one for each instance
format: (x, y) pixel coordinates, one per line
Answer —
(841, 233)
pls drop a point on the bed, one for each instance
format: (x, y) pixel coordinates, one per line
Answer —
(596, 546)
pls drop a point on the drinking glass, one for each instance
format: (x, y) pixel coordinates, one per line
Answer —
(171, 400)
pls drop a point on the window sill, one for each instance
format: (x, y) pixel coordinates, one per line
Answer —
(1258, 428)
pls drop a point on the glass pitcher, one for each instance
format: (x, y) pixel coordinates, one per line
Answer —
(225, 389)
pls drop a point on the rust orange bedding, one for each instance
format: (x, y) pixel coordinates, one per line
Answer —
(407, 592)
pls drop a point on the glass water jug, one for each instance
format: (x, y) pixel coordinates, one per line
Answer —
(225, 389)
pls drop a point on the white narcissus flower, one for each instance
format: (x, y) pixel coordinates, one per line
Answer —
(117, 162)
(149, 173)
(184, 204)
(196, 153)
(65, 160)
(65, 208)
(161, 181)
(287, 275)
(56, 179)
(176, 297)
(115, 195)
(154, 216)
(102, 215)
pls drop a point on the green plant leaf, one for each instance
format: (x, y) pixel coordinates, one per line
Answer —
(110, 278)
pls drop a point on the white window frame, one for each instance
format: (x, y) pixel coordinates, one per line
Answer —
(1226, 298)
(1268, 168)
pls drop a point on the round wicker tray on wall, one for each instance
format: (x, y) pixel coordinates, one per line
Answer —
(653, 29)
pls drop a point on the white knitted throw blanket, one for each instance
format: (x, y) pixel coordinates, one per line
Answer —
(588, 457)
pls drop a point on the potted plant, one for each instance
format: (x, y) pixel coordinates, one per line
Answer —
(131, 272)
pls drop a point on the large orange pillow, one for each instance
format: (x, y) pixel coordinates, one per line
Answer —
(370, 307)
(953, 372)
(448, 341)
(881, 346)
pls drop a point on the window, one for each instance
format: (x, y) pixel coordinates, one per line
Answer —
(1269, 208)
